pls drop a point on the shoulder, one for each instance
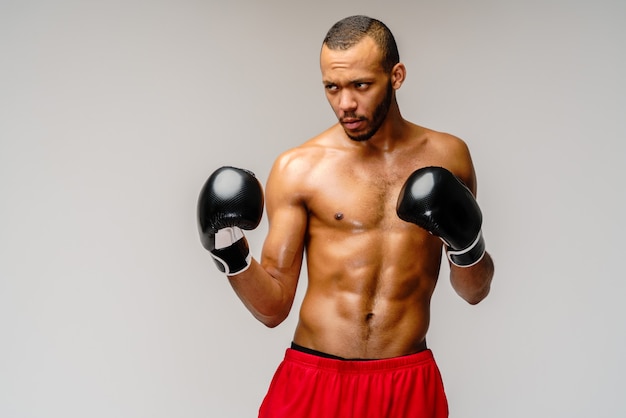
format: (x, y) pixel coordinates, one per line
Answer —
(300, 159)
(293, 168)
(308, 155)
(448, 143)
(454, 155)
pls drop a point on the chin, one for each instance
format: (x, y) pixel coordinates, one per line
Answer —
(360, 137)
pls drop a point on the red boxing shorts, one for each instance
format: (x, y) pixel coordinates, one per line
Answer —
(306, 385)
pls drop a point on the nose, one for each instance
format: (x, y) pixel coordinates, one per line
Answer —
(347, 102)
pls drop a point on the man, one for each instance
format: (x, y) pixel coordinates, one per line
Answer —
(369, 201)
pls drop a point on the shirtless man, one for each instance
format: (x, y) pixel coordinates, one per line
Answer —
(343, 199)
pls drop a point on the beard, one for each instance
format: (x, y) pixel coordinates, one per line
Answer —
(379, 116)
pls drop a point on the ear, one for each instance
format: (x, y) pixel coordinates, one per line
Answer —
(398, 75)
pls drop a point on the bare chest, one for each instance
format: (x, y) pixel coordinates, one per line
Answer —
(358, 198)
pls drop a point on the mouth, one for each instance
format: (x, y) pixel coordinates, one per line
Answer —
(351, 123)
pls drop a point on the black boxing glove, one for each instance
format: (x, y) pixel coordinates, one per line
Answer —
(436, 200)
(230, 200)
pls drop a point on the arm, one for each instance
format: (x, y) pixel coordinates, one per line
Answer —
(442, 201)
(267, 288)
(471, 283)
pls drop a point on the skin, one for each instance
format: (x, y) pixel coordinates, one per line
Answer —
(370, 274)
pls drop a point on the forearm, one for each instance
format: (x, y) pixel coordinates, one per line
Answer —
(266, 297)
(473, 283)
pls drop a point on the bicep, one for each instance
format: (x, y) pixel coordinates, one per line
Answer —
(284, 246)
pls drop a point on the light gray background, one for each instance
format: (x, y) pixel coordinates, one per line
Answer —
(112, 115)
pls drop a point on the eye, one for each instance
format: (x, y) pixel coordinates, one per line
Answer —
(331, 87)
(361, 85)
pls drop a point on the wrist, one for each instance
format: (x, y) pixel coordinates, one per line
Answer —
(231, 252)
(469, 256)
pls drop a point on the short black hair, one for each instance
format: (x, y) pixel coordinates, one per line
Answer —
(349, 31)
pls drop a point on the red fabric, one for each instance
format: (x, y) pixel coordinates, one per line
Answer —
(306, 385)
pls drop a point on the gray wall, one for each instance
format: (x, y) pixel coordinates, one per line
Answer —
(112, 115)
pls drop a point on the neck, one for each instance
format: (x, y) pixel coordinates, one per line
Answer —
(389, 134)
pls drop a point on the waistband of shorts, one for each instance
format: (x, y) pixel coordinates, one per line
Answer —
(355, 366)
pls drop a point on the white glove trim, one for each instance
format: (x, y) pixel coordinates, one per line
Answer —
(227, 236)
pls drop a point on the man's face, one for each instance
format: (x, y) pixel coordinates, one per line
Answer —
(357, 88)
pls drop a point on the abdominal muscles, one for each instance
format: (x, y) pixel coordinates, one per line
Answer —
(369, 292)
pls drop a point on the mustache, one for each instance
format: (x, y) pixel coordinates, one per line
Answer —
(351, 116)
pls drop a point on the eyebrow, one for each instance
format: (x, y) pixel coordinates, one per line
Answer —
(353, 81)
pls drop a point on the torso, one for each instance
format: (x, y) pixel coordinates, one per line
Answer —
(370, 274)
